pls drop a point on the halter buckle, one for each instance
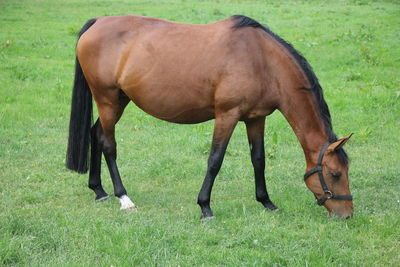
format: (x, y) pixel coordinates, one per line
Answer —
(329, 193)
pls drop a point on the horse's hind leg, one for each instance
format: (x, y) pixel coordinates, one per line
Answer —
(110, 107)
(255, 134)
(95, 162)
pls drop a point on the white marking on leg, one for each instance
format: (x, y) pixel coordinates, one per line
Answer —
(126, 203)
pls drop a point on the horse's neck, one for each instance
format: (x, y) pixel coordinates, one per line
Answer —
(301, 111)
(299, 106)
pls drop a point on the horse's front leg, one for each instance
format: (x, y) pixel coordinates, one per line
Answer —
(255, 134)
(223, 128)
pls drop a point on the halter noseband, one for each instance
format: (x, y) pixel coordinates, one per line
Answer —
(327, 193)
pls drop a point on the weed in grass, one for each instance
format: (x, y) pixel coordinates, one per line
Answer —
(368, 56)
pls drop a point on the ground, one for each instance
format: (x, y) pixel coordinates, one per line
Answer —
(48, 216)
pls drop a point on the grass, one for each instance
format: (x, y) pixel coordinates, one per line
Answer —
(48, 216)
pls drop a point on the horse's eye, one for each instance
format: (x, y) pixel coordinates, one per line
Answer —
(336, 175)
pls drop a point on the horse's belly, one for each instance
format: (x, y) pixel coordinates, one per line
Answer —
(178, 107)
(189, 116)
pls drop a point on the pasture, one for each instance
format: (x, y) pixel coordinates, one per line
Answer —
(48, 216)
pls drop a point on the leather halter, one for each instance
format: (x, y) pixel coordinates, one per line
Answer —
(318, 169)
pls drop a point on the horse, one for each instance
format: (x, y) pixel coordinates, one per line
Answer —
(231, 70)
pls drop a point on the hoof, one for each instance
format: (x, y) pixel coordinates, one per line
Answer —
(270, 206)
(101, 198)
(126, 203)
(206, 214)
(130, 208)
(206, 218)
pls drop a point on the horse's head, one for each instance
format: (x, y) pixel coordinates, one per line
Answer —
(329, 180)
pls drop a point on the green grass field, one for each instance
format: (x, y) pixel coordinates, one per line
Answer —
(48, 216)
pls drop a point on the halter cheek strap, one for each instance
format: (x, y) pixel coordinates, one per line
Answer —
(318, 169)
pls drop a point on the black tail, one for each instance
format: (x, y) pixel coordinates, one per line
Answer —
(81, 118)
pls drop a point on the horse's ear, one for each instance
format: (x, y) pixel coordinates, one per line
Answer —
(338, 144)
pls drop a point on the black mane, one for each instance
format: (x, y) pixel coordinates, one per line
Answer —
(243, 21)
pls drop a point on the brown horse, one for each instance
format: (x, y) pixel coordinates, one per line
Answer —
(231, 70)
